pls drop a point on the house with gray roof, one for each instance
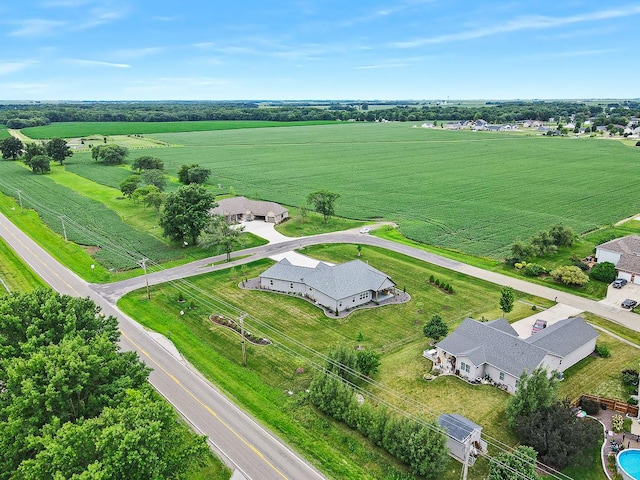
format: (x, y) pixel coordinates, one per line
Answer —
(241, 209)
(624, 253)
(493, 350)
(463, 436)
(334, 287)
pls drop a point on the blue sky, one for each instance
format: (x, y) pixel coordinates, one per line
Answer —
(318, 49)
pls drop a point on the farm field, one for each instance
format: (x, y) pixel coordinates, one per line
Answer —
(82, 129)
(470, 191)
(15, 275)
(394, 331)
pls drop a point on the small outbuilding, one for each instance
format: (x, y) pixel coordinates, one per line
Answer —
(463, 437)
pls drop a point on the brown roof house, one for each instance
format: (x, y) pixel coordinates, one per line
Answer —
(624, 253)
(241, 209)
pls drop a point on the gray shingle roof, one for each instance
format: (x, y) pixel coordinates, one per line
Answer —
(459, 427)
(629, 263)
(503, 325)
(564, 337)
(336, 281)
(483, 343)
(242, 205)
(629, 244)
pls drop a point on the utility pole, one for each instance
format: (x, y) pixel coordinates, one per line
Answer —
(19, 199)
(143, 264)
(64, 230)
(244, 353)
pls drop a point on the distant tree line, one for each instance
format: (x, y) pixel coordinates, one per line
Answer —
(21, 116)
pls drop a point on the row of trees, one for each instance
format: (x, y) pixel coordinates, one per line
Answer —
(35, 155)
(542, 243)
(418, 443)
(21, 116)
(72, 405)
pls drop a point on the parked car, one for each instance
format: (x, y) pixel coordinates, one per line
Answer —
(538, 326)
(619, 283)
(365, 230)
(630, 304)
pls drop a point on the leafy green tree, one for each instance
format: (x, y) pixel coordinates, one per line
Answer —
(155, 198)
(436, 328)
(570, 275)
(507, 299)
(219, 233)
(302, 212)
(535, 392)
(562, 236)
(129, 185)
(323, 202)
(39, 163)
(154, 177)
(193, 174)
(604, 271)
(521, 460)
(520, 251)
(186, 212)
(367, 362)
(58, 149)
(32, 149)
(137, 438)
(11, 148)
(559, 437)
(111, 154)
(147, 162)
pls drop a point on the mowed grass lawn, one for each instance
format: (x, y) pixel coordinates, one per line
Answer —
(15, 274)
(475, 192)
(395, 331)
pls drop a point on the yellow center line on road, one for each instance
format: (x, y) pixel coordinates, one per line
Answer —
(206, 407)
(44, 264)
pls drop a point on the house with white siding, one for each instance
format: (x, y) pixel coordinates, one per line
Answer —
(334, 287)
(624, 253)
(493, 350)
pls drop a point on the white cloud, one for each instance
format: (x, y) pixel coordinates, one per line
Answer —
(7, 68)
(37, 27)
(100, 16)
(95, 63)
(519, 24)
(134, 53)
(25, 87)
(571, 54)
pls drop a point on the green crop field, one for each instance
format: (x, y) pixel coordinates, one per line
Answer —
(471, 191)
(86, 220)
(3, 133)
(82, 129)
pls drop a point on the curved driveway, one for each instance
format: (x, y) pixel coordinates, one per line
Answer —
(114, 291)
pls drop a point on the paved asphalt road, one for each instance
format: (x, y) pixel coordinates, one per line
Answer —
(114, 291)
(238, 439)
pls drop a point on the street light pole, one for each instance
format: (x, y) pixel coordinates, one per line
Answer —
(20, 198)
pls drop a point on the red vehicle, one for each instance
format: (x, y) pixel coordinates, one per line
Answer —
(538, 326)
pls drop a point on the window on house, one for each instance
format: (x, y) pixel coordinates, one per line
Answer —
(462, 365)
(517, 383)
(270, 282)
(291, 285)
(467, 368)
(502, 376)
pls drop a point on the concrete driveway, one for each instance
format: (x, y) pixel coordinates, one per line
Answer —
(615, 296)
(552, 315)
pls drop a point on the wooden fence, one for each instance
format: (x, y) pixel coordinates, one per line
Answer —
(615, 405)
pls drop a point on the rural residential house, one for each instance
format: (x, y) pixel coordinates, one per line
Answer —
(462, 436)
(493, 350)
(334, 287)
(624, 253)
(241, 209)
